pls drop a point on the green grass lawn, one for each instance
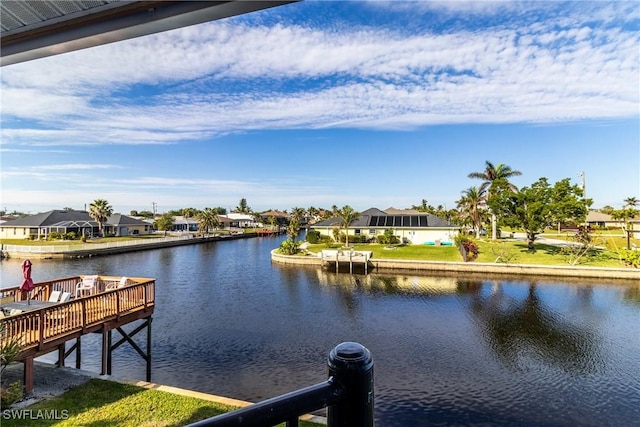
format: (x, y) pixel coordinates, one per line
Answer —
(515, 252)
(108, 403)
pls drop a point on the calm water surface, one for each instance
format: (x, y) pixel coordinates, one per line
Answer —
(447, 351)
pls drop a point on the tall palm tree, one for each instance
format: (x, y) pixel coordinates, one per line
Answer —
(491, 175)
(100, 210)
(207, 220)
(347, 215)
(471, 206)
(632, 202)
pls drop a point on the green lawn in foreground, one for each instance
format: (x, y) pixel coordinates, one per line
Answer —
(513, 251)
(108, 403)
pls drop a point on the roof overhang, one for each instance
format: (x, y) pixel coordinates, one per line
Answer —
(32, 30)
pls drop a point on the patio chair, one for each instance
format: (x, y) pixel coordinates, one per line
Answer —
(55, 296)
(88, 284)
(66, 296)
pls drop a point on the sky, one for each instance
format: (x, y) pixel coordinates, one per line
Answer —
(321, 103)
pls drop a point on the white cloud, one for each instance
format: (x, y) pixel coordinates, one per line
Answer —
(222, 77)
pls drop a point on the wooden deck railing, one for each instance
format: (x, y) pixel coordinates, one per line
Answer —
(40, 327)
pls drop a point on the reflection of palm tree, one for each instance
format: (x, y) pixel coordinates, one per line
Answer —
(516, 330)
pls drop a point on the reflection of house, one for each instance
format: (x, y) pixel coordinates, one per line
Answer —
(39, 226)
(410, 226)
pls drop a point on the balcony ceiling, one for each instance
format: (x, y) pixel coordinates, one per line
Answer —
(32, 29)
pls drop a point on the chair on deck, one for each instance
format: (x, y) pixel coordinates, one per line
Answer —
(124, 281)
(66, 296)
(55, 296)
(88, 284)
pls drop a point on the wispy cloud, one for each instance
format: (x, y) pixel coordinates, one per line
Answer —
(227, 77)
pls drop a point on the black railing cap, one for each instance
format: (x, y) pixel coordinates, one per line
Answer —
(350, 356)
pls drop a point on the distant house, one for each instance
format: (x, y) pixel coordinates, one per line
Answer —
(184, 224)
(412, 227)
(39, 226)
(600, 219)
(242, 220)
(282, 218)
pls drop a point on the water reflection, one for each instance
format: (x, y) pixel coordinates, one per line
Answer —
(449, 350)
(520, 329)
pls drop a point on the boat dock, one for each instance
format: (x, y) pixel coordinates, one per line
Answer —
(43, 324)
(346, 256)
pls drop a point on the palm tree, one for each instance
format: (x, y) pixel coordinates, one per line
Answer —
(207, 220)
(632, 202)
(347, 215)
(471, 206)
(491, 175)
(100, 210)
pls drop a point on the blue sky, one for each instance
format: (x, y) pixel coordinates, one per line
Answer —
(321, 103)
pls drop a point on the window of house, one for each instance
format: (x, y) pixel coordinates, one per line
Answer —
(357, 231)
(372, 231)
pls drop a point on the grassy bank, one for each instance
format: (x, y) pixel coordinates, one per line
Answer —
(514, 252)
(108, 403)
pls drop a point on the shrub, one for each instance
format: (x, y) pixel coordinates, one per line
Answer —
(289, 247)
(313, 236)
(10, 395)
(387, 238)
(469, 250)
(71, 235)
(630, 257)
(55, 235)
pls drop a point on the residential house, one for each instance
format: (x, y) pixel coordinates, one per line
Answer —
(39, 226)
(411, 227)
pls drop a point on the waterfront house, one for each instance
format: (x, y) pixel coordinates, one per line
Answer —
(40, 225)
(411, 227)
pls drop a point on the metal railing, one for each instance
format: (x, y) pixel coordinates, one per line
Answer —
(347, 395)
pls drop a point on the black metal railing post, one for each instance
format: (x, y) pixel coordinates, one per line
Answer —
(351, 365)
(347, 393)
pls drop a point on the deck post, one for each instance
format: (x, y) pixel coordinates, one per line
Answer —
(149, 349)
(109, 354)
(105, 350)
(78, 354)
(61, 355)
(28, 374)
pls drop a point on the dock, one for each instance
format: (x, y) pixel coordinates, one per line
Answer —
(41, 326)
(346, 256)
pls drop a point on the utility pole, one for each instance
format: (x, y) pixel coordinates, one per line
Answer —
(154, 204)
(584, 184)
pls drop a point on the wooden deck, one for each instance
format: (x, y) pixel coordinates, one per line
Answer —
(48, 328)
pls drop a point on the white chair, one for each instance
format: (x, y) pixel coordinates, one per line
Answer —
(55, 296)
(88, 284)
(66, 296)
(124, 281)
(15, 311)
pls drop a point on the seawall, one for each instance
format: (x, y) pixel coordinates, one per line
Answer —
(477, 268)
(83, 252)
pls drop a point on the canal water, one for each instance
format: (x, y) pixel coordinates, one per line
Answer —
(467, 351)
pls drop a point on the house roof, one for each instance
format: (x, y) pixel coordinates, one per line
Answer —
(275, 213)
(373, 217)
(595, 216)
(69, 218)
(394, 211)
